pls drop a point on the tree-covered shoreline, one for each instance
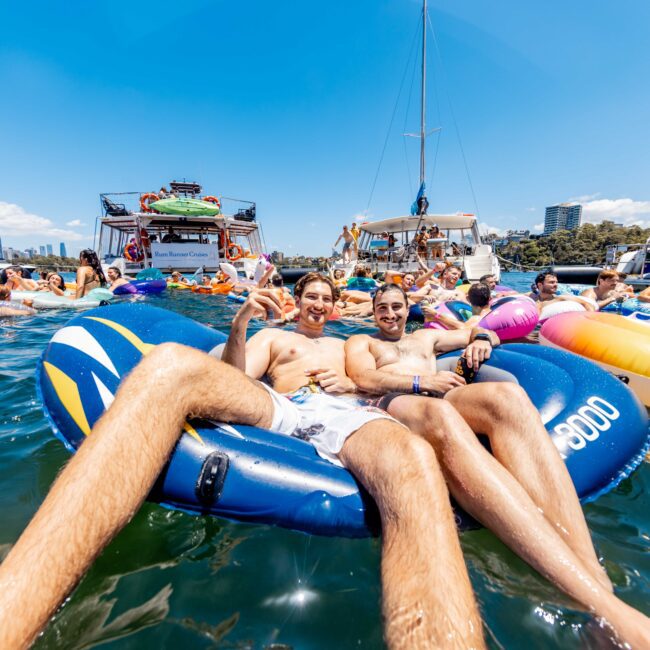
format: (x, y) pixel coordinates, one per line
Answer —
(584, 245)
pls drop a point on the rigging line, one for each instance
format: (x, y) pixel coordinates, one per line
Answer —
(390, 126)
(453, 116)
(406, 116)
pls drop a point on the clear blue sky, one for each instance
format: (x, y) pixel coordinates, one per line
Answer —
(288, 104)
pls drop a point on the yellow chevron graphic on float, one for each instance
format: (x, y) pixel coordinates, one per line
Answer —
(133, 339)
(144, 349)
(68, 392)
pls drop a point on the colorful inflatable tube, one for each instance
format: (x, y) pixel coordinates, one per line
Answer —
(249, 474)
(617, 344)
(48, 300)
(510, 317)
(140, 286)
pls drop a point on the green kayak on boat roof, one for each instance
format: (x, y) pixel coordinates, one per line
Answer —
(183, 207)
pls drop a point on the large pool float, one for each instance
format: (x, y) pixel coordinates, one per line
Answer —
(557, 307)
(617, 344)
(510, 317)
(49, 300)
(140, 286)
(248, 474)
(220, 289)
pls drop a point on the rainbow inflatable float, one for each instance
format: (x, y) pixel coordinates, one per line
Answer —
(620, 345)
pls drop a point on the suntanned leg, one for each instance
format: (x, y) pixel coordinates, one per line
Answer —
(427, 596)
(485, 489)
(520, 442)
(107, 480)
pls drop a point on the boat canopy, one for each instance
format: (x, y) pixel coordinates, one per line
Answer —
(410, 222)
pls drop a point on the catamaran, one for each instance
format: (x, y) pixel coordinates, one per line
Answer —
(179, 229)
(388, 244)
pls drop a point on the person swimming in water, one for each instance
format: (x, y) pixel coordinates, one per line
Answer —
(89, 274)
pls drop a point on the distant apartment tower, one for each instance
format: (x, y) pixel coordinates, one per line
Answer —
(50, 251)
(62, 251)
(42, 251)
(564, 216)
(2, 255)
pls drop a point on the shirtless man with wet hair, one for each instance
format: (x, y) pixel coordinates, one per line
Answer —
(523, 492)
(427, 597)
(605, 292)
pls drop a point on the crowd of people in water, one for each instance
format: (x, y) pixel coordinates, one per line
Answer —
(378, 404)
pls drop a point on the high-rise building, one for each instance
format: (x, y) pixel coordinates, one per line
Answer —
(2, 255)
(62, 252)
(41, 250)
(50, 250)
(564, 216)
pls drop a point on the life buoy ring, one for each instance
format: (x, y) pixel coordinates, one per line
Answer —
(145, 199)
(238, 252)
(212, 199)
(132, 252)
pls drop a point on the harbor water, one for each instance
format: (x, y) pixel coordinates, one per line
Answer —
(174, 580)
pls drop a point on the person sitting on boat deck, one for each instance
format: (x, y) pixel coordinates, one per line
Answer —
(437, 248)
(348, 240)
(545, 292)
(522, 491)
(18, 279)
(90, 274)
(171, 237)
(478, 297)
(605, 292)
(427, 595)
(115, 279)
(421, 242)
(8, 308)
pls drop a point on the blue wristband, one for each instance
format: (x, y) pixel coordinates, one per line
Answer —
(416, 384)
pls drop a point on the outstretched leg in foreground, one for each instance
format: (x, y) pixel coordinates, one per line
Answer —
(520, 442)
(427, 596)
(107, 480)
(487, 491)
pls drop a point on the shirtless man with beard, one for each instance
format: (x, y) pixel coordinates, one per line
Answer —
(427, 599)
(523, 492)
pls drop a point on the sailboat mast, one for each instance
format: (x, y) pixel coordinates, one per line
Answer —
(424, 91)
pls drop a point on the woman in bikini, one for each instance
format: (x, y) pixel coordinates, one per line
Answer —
(89, 274)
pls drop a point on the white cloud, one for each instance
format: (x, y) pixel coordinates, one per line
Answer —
(626, 211)
(486, 228)
(531, 209)
(16, 221)
(538, 227)
(584, 198)
(75, 222)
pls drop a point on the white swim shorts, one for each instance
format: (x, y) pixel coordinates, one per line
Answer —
(323, 420)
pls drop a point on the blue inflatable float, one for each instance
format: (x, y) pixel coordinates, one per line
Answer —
(141, 286)
(248, 474)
